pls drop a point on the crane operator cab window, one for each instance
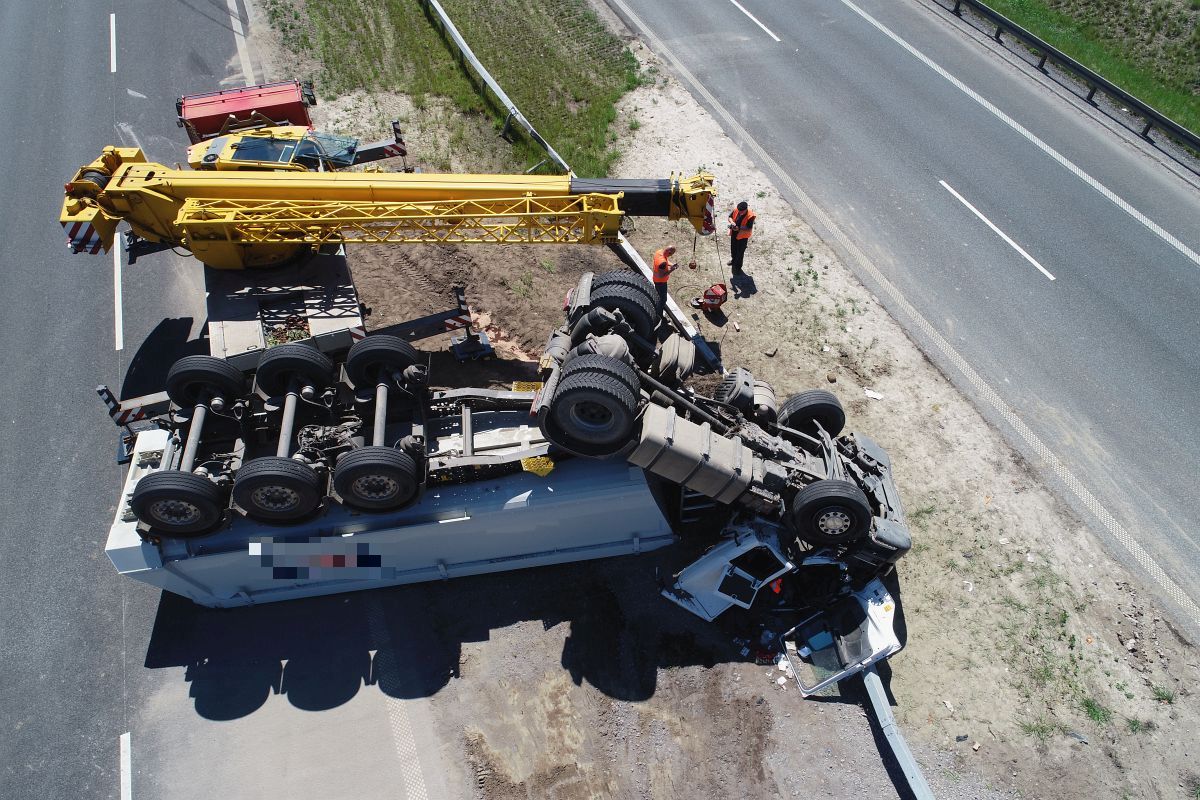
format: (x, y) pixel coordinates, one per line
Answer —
(262, 149)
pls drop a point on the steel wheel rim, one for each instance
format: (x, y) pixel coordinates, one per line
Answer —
(375, 487)
(592, 416)
(275, 498)
(834, 522)
(174, 513)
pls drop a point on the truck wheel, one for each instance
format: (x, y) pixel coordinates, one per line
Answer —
(635, 306)
(605, 365)
(831, 512)
(635, 280)
(801, 410)
(376, 478)
(178, 504)
(279, 365)
(370, 357)
(276, 489)
(195, 379)
(594, 412)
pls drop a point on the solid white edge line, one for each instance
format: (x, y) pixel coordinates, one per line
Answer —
(118, 306)
(996, 230)
(986, 393)
(755, 19)
(126, 768)
(239, 37)
(112, 42)
(1063, 161)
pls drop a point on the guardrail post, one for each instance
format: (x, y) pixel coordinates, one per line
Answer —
(999, 30)
(957, 10)
(1042, 63)
(1146, 130)
(1091, 94)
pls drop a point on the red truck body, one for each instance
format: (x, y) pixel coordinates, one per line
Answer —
(213, 113)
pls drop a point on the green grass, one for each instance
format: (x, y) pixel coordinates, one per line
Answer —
(1096, 712)
(1162, 694)
(1150, 48)
(554, 58)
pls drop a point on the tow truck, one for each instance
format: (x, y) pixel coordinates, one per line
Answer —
(264, 473)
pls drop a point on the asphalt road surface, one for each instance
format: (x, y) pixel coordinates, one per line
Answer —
(108, 689)
(1018, 238)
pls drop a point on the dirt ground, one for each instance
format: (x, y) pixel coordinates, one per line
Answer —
(1035, 666)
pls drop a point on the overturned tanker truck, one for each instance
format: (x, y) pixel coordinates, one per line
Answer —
(319, 473)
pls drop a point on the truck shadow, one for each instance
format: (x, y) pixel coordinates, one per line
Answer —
(167, 343)
(408, 641)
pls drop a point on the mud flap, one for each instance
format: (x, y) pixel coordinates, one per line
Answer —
(730, 574)
(843, 640)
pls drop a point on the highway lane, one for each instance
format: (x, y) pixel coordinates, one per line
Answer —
(1100, 363)
(89, 656)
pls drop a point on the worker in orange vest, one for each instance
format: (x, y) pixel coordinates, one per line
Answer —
(662, 272)
(741, 228)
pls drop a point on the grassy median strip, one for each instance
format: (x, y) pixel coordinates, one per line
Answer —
(554, 58)
(1150, 48)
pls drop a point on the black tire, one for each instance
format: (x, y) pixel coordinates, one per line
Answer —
(614, 367)
(279, 365)
(178, 504)
(831, 512)
(635, 306)
(196, 379)
(276, 489)
(594, 413)
(377, 479)
(800, 410)
(629, 278)
(375, 354)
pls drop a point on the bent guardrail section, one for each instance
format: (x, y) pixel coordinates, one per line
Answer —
(1154, 118)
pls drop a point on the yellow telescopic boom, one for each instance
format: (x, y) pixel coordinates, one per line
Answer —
(260, 217)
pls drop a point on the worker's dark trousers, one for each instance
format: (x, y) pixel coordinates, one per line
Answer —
(737, 249)
(662, 297)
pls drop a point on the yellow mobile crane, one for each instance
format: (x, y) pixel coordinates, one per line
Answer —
(259, 199)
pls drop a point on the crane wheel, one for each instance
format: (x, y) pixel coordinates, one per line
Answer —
(178, 505)
(294, 360)
(375, 356)
(196, 379)
(376, 479)
(802, 410)
(592, 413)
(831, 512)
(635, 306)
(277, 489)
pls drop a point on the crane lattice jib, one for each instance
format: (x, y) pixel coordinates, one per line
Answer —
(233, 219)
(571, 219)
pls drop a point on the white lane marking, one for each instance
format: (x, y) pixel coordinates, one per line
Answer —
(973, 378)
(403, 740)
(118, 313)
(132, 93)
(126, 768)
(239, 37)
(996, 230)
(1069, 165)
(112, 42)
(742, 8)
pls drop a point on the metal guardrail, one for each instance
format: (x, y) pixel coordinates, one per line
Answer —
(891, 732)
(622, 248)
(514, 113)
(1154, 119)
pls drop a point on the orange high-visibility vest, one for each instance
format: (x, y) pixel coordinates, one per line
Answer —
(662, 272)
(742, 221)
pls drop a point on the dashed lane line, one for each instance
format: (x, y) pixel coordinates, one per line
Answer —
(985, 392)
